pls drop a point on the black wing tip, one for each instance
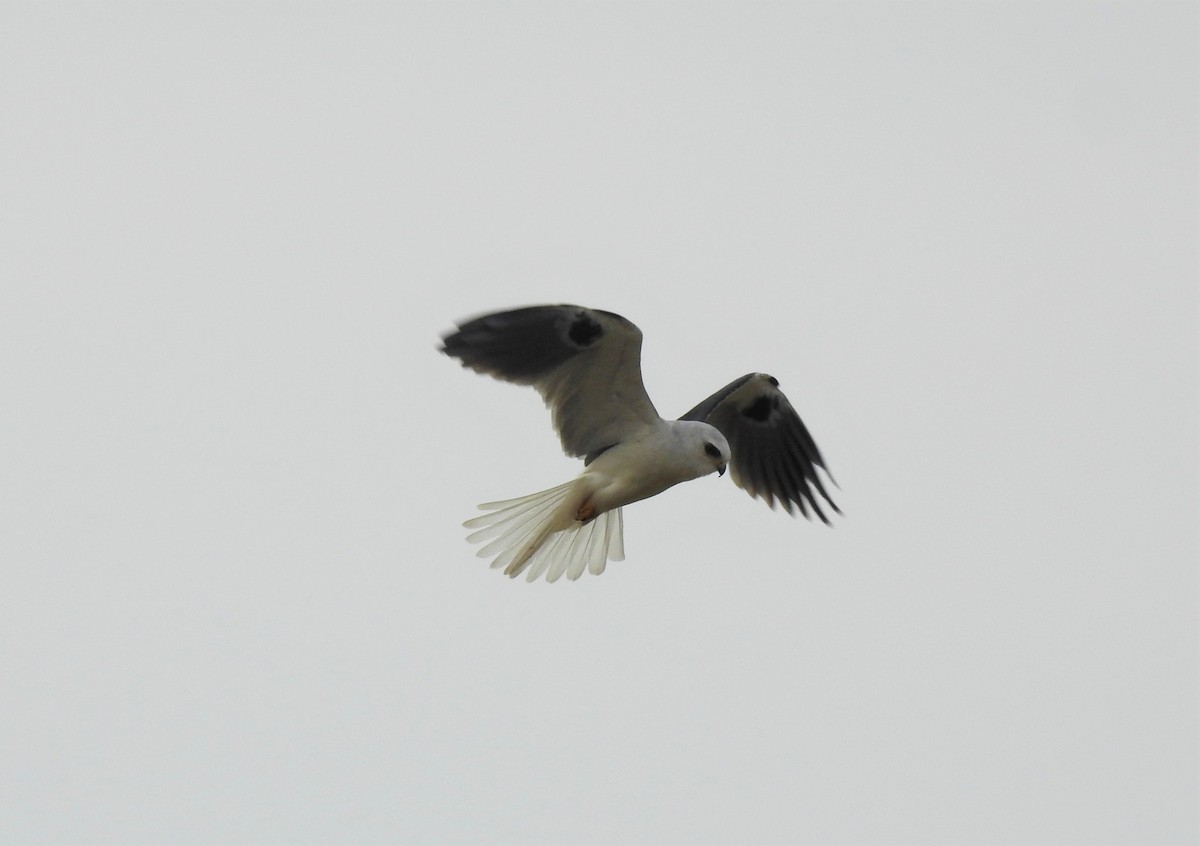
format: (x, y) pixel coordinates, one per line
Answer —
(519, 312)
(455, 346)
(490, 328)
(804, 501)
(523, 344)
(803, 505)
(815, 507)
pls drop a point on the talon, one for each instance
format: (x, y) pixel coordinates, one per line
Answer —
(586, 512)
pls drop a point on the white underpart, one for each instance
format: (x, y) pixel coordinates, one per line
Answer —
(541, 532)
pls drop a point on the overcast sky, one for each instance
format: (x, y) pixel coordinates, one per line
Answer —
(236, 602)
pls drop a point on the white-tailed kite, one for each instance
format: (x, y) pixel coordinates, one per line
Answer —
(586, 364)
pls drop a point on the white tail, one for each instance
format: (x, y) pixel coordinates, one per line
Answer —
(540, 533)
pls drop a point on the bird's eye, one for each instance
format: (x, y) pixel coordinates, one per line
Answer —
(712, 450)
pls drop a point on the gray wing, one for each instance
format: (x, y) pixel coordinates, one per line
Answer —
(585, 363)
(773, 455)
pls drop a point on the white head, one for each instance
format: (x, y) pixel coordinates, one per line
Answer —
(704, 448)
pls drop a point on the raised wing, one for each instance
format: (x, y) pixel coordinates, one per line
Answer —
(585, 363)
(774, 456)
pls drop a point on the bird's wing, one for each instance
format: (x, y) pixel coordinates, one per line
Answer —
(774, 456)
(585, 363)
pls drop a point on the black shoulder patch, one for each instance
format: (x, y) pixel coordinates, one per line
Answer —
(760, 409)
(584, 331)
(596, 453)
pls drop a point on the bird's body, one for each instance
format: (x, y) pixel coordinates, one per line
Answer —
(663, 454)
(587, 366)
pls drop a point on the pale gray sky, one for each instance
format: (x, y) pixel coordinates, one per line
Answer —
(237, 603)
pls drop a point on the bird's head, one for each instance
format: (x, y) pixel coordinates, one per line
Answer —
(705, 446)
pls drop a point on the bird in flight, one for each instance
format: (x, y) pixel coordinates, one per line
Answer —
(586, 364)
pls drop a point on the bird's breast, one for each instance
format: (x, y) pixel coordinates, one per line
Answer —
(630, 472)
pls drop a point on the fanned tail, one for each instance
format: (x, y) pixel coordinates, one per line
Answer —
(540, 533)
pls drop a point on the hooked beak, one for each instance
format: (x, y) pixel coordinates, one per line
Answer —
(720, 469)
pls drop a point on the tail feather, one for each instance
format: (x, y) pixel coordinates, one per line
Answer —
(560, 554)
(616, 540)
(512, 532)
(581, 550)
(540, 563)
(589, 547)
(540, 533)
